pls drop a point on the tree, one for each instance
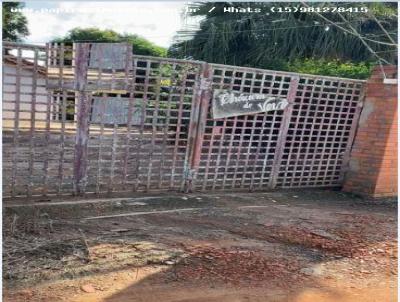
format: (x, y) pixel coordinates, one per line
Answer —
(279, 40)
(14, 22)
(141, 46)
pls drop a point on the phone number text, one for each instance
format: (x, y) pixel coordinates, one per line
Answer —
(330, 9)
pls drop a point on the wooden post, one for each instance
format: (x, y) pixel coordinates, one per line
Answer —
(82, 131)
(280, 144)
(198, 124)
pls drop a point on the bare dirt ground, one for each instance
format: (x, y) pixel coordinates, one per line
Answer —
(293, 245)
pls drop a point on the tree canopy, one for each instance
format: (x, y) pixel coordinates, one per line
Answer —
(286, 40)
(14, 22)
(141, 46)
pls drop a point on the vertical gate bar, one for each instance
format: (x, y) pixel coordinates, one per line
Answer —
(270, 134)
(220, 147)
(142, 121)
(280, 144)
(113, 151)
(101, 134)
(324, 148)
(128, 141)
(209, 153)
(33, 122)
(332, 122)
(307, 111)
(153, 135)
(221, 142)
(47, 131)
(56, 53)
(250, 141)
(335, 122)
(249, 150)
(178, 130)
(268, 78)
(100, 61)
(114, 134)
(243, 132)
(73, 65)
(311, 130)
(222, 130)
(16, 120)
(64, 99)
(101, 118)
(192, 130)
(239, 152)
(230, 147)
(264, 120)
(198, 121)
(188, 171)
(318, 140)
(82, 131)
(130, 84)
(352, 134)
(166, 129)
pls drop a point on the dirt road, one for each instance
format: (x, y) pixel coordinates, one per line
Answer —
(294, 245)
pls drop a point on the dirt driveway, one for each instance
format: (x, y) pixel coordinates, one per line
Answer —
(293, 245)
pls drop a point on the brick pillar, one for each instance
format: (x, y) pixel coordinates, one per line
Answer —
(372, 168)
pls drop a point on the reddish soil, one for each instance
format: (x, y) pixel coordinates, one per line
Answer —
(307, 245)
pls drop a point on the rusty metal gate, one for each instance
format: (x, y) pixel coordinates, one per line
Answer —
(93, 118)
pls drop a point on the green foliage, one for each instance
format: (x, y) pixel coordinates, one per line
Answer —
(330, 68)
(14, 22)
(272, 40)
(89, 34)
(141, 46)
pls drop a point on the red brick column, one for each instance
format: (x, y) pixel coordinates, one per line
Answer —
(372, 168)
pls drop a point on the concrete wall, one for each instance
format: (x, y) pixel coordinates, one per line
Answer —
(373, 162)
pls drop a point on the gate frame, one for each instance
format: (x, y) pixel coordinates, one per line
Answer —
(197, 124)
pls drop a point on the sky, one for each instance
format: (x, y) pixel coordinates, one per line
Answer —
(156, 21)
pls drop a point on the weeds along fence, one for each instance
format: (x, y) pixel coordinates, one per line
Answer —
(95, 118)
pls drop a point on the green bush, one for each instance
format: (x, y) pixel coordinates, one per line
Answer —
(335, 68)
(141, 46)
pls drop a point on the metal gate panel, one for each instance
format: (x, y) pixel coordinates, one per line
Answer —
(54, 146)
(35, 141)
(305, 145)
(239, 152)
(76, 123)
(151, 153)
(320, 133)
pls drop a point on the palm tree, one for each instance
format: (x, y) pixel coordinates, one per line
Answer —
(274, 39)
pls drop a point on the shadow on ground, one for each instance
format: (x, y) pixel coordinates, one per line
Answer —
(275, 246)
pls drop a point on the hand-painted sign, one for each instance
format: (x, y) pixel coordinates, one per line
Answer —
(233, 103)
(109, 55)
(115, 110)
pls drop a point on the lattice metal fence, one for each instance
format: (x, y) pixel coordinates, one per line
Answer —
(93, 118)
(305, 145)
(321, 128)
(238, 152)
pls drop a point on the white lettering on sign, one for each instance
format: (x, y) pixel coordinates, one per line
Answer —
(232, 103)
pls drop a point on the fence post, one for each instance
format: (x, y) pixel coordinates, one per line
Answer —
(280, 144)
(198, 124)
(83, 111)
